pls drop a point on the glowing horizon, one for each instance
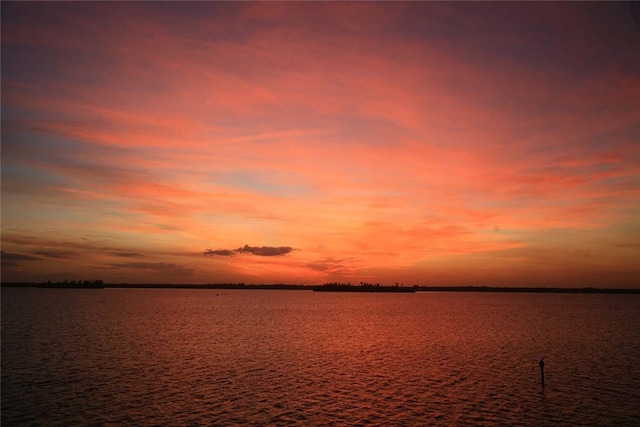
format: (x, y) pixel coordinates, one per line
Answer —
(418, 143)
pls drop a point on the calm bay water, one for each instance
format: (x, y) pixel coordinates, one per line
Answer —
(266, 357)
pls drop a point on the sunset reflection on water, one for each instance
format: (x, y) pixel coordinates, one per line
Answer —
(280, 357)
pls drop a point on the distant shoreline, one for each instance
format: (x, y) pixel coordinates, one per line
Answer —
(345, 288)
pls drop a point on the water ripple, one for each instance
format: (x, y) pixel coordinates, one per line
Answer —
(119, 357)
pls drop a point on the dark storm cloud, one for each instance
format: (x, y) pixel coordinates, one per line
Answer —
(254, 250)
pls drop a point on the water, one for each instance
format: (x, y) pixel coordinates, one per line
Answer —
(234, 357)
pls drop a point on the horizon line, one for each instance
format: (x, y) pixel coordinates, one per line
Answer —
(283, 286)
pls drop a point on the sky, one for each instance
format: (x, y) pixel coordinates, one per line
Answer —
(454, 143)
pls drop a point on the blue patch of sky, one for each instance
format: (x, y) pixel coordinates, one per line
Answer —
(266, 183)
(33, 145)
(20, 177)
(11, 113)
(26, 154)
(44, 145)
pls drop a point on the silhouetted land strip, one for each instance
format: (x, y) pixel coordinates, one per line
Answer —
(363, 287)
(79, 284)
(75, 285)
(330, 287)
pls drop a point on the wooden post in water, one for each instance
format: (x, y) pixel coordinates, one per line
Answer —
(542, 371)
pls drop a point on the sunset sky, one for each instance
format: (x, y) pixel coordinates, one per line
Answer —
(424, 143)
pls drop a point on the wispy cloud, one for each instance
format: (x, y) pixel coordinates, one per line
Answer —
(158, 267)
(55, 254)
(10, 259)
(127, 254)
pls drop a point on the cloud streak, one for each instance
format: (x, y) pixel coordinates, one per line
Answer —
(155, 267)
(10, 259)
(263, 251)
(220, 252)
